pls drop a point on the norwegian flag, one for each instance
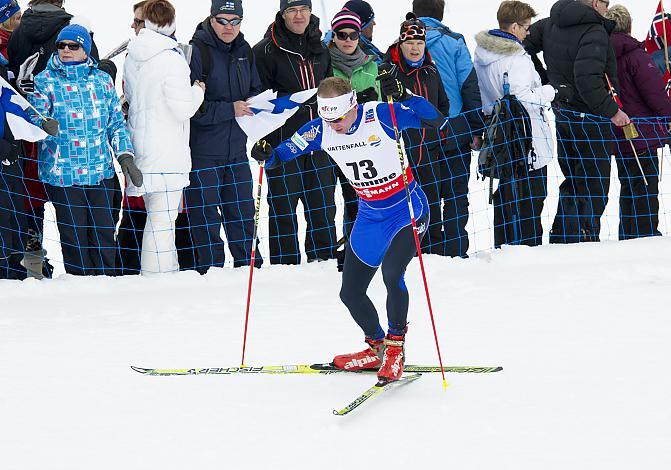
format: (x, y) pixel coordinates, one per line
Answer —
(667, 82)
(655, 39)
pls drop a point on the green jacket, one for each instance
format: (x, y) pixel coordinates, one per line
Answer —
(363, 77)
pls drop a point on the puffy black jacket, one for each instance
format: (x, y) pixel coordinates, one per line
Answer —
(37, 32)
(289, 63)
(575, 41)
(232, 77)
(425, 81)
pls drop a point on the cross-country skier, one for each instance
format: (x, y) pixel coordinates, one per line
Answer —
(361, 140)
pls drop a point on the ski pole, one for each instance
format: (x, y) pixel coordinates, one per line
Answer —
(401, 156)
(253, 257)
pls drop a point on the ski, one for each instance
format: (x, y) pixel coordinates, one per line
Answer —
(321, 369)
(120, 49)
(375, 391)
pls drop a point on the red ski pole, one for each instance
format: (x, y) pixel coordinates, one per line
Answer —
(401, 156)
(253, 257)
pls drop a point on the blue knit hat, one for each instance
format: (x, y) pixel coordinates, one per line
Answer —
(7, 9)
(76, 33)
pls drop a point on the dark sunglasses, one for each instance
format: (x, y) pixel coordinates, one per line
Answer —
(73, 47)
(138, 22)
(225, 22)
(344, 36)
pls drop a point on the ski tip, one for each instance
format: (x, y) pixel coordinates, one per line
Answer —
(141, 370)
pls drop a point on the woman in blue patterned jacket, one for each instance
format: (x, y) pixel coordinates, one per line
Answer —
(87, 128)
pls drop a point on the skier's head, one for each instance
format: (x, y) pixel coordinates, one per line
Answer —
(336, 103)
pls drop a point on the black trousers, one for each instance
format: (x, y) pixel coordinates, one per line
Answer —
(584, 149)
(86, 223)
(220, 194)
(427, 172)
(13, 222)
(518, 204)
(311, 180)
(639, 204)
(455, 174)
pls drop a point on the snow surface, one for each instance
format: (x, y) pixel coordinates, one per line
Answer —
(582, 332)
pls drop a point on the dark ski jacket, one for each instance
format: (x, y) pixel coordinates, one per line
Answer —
(575, 41)
(215, 135)
(289, 63)
(642, 92)
(423, 145)
(37, 32)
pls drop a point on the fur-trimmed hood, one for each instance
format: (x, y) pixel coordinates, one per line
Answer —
(492, 48)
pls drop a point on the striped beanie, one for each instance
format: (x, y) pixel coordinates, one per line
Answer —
(346, 19)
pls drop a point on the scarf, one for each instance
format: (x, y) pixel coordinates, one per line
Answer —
(347, 62)
(415, 65)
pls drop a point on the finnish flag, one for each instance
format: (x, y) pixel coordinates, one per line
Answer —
(271, 112)
(13, 108)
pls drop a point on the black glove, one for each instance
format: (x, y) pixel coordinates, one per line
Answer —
(50, 126)
(369, 94)
(26, 85)
(262, 151)
(564, 94)
(130, 170)
(391, 86)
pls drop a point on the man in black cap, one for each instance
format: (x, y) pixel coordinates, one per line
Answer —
(221, 180)
(291, 58)
(367, 15)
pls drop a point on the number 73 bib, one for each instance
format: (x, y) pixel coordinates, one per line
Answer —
(368, 157)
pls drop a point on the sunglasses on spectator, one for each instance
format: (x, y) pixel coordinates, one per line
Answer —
(343, 36)
(64, 45)
(295, 11)
(225, 22)
(138, 22)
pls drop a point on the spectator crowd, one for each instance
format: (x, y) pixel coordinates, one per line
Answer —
(184, 159)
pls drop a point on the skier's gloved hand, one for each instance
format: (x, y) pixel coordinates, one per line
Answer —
(262, 151)
(391, 86)
(369, 94)
(130, 170)
(50, 126)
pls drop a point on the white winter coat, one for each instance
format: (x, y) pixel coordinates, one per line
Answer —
(493, 57)
(162, 101)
